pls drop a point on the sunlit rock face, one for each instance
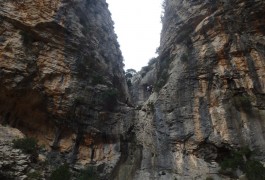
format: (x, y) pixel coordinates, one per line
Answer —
(210, 87)
(61, 72)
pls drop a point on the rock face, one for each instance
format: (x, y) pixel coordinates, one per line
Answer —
(62, 82)
(12, 161)
(62, 78)
(210, 89)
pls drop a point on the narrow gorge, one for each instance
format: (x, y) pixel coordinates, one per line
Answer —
(64, 92)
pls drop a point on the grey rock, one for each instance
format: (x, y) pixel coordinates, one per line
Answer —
(62, 67)
(23, 177)
(206, 90)
(22, 162)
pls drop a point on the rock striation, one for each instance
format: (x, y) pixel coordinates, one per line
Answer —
(62, 82)
(62, 79)
(210, 86)
(12, 161)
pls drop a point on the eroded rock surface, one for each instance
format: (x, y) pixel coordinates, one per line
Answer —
(62, 82)
(13, 162)
(62, 79)
(210, 89)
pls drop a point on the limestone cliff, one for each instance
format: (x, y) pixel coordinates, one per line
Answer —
(62, 83)
(62, 79)
(209, 93)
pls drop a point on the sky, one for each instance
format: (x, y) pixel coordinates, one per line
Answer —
(138, 26)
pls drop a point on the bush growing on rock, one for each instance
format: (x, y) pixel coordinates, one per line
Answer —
(151, 106)
(161, 81)
(241, 159)
(36, 175)
(61, 173)
(152, 61)
(162, 74)
(254, 170)
(130, 73)
(27, 145)
(87, 174)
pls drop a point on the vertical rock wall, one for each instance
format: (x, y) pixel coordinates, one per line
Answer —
(210, 87)
(62, 82)
(62, 79)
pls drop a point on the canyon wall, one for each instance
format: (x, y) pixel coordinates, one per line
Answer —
(62, 80)
(62, 83)
(209, 90)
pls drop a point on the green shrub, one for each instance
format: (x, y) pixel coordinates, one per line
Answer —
(36, 175)
(145, 68)
(151, 106)
(128, 75)
(245, 151)
(184, 33)
(162, 74)
(143, 74)
(161, 81)
(87, 174)
(61, 173)
(234, 161)
(27, 145)
(152, 61)
(254, 170)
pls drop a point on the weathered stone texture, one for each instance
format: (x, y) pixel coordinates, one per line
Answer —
(61, 72)
(210, 89)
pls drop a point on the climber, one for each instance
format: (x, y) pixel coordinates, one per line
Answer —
(149, 88)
